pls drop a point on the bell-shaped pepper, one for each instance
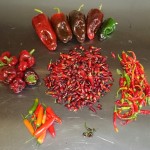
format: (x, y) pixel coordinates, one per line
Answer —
(94, 21)
(61, 26)
(45, 31)
(78, 24)
(7, 74)
(107, 28)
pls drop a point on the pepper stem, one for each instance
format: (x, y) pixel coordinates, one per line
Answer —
(38, 10)
(58, 10)
(100, 7)
(32, 51)
(79, 9)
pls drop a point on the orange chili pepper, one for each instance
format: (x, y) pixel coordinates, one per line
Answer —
(28, 126)
(40, 116)
(41, 139)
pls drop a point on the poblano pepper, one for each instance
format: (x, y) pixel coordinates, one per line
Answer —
(107, 28)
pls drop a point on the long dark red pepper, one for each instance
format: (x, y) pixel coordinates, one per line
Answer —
(78, 24)
(61, 26)
(94, 21)
(45, 31)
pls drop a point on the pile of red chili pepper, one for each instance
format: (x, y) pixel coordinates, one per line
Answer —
(16, 71)
(79, 78)
(134, 90)
(40, 120)
(77, 24)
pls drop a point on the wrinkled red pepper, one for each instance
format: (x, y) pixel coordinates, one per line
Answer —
(26, 60)
(17, 85)
(45, 31)
(7, 74)
(94, 21)
(61, 26)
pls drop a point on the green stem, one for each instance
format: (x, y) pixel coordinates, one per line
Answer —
(39, 11)
(58, 10)
(81, 7)
(32, 51)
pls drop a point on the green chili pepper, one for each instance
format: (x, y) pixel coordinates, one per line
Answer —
(127, 79)
(107, 28)
(34, 106)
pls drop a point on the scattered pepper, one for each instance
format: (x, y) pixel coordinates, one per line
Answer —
(61, 26)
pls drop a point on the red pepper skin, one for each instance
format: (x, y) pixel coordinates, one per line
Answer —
(43, 127)
(61, 27)
(27, 57)
(93, 21)
(23, 65)
(17, 85)
(3, 55)
(7, 74)
(45, 31)
(78, 25)
(52, 131)
(50, 113)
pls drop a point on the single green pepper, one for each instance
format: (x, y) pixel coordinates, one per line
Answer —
(107, 28)
(34, 106)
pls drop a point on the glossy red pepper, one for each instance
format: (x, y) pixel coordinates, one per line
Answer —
(3, 61)
(50, 113)
(94, 21)
(61, 26)
(45, 31)
(78, 24)
(26, 60)
(43, 128)
(17, 85)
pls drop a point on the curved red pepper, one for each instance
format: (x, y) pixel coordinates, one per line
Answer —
(61, 26)
(45, 31)
(94, 21)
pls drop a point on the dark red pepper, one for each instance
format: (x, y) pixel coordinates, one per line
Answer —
(45, 31)
(17, 85)
(78, 24)
(31, 77)
(7, 74)
(94, 21)
(61, 26)
(26, 60)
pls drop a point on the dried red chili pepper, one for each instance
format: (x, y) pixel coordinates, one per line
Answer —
(45, 31)
(61, 26)
(78, 24)
(93, 21)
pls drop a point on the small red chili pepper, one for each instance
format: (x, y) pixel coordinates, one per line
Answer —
(94, 21)
(113, 55)
(52, 131)
(51, 113)
(3, 61)
(37, 109)
(44, 30)
(61, 26)
(12, 61)
(145, 112)
(43, 128)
